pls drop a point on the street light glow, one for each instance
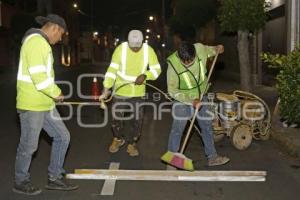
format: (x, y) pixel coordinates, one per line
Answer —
(158, 36)
(163, 45)
(147, 36)
(151, 18)
(148, 30)
(75, 5)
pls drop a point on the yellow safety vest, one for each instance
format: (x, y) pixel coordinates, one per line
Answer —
(126, 65)
(35, 80)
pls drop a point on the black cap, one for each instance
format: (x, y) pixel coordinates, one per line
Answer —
(55, 19)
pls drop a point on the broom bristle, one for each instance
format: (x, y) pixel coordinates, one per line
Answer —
(178, 160)
(167, 157)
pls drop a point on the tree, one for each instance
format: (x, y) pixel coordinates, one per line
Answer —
(243, 17)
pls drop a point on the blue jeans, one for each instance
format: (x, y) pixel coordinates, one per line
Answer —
(32, 123)
(181, 113)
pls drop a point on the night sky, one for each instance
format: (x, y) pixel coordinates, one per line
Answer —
(121, 13)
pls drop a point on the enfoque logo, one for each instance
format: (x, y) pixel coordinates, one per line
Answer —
(156, 104)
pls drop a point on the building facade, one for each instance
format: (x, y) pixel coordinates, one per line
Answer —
(280, 35)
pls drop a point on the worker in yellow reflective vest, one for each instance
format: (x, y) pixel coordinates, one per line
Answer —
(36, 97)
(132, 62)
(186, 79)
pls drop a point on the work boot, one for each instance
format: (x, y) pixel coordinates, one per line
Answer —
(26, 188)
(132, 150)
(218, 160)
(60, 184)
(116, 144)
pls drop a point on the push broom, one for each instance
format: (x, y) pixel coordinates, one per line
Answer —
(178, 159)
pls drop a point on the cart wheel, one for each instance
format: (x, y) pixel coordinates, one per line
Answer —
(262, 128)
(218, 137)
(241, 136)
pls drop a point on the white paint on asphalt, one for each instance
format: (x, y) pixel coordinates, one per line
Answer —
(109, 185)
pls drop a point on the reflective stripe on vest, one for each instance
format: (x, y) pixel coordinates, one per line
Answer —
(146, 57)
(187, 80)
(20, 76)
(35, 69)
(122, 73)
(202, 71)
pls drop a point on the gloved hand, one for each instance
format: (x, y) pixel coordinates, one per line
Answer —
(219, 48)
(197, 103)
(105, 94)
(140, 79)
(60, 98)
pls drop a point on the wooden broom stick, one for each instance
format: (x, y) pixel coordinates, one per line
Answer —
(196, 111)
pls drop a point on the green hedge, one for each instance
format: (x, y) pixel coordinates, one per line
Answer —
(288, 83)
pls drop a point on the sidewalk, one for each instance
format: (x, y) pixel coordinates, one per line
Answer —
(288, 139)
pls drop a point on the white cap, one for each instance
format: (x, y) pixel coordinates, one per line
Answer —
(135, 38)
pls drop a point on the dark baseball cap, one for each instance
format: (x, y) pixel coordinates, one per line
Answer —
(53, 18)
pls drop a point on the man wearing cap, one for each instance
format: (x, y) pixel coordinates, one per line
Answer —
(132, 62)
(36, 97)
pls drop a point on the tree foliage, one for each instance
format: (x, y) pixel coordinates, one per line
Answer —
(243, 15)
(288, 83)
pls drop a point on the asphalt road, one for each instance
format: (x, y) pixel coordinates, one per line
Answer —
(89, 149)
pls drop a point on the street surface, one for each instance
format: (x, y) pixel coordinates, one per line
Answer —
(89, 149)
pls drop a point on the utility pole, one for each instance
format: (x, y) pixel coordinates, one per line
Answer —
(293, 24)
(0, 14)
(163, 20)
(92, 31)
(92, 16)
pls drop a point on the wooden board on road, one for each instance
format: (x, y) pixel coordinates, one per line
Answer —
(163, 175)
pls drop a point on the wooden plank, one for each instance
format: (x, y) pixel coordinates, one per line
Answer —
(109, 184)
(163, 175)
(164, 172)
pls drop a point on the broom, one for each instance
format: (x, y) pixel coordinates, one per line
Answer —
(178, 159)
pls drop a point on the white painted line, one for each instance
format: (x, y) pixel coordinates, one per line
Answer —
(163, 175)
(109, 184)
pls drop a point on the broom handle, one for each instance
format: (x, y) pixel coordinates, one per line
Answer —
(196, 111)
(78, 103)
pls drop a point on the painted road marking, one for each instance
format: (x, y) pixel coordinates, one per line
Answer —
(109, 184)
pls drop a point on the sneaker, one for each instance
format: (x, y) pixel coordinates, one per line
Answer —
(218, 160)
(116, 144)
(132, 150)
(26, 188)
(60, 184)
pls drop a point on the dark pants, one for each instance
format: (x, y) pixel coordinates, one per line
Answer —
(131, 110)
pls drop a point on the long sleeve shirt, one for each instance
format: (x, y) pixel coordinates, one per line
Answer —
(126, 67)
(187, 96)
